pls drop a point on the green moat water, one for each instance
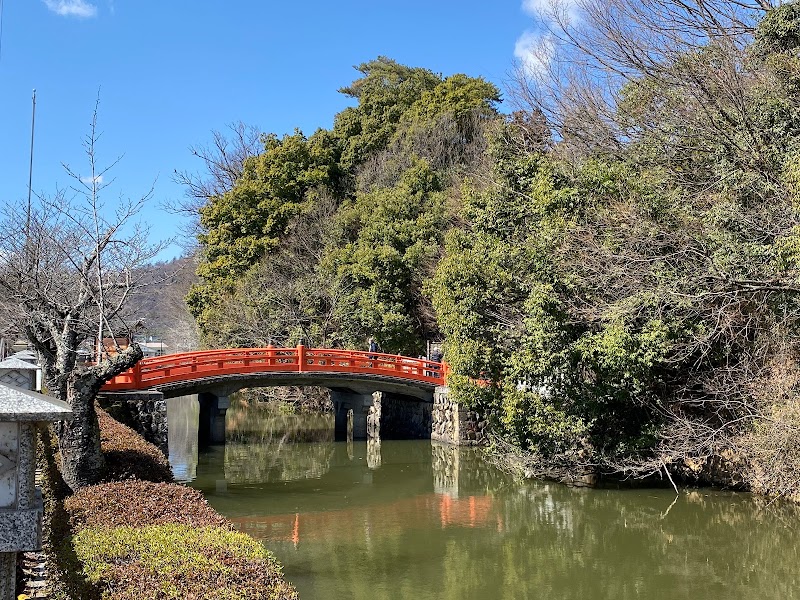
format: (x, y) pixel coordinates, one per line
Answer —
(418, 520)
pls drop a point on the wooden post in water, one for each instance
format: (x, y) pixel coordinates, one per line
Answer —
(350, 425)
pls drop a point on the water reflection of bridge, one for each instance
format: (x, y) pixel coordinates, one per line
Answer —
(332, 509)
(425, 512)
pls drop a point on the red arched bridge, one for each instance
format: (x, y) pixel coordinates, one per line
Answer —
(373, 394)
(300, 364)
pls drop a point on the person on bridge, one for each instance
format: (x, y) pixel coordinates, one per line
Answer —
(436, 355)
(373, 347)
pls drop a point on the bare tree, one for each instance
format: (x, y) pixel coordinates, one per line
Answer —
(223, 160)
(68, 270)
(595, 54)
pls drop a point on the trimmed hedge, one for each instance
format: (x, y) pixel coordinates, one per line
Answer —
(64, 571)
(179, 561)
(128, 455)
(138, 540)
(138, 504)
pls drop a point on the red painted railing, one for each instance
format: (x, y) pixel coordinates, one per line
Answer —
(173, 368)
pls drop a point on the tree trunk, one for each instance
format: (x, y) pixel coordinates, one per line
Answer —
(82, 461)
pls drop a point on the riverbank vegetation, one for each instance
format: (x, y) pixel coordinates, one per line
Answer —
(618, 256)
(141, 536)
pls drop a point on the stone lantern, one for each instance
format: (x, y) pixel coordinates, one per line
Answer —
(21, 509)
(20, 373)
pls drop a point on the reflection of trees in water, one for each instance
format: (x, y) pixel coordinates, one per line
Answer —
(264, 422)
(263, 444)
(183, 415)
(631, 544)
(276, 460)
(549, 541)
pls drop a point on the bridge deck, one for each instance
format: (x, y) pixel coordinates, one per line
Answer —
(187, 366)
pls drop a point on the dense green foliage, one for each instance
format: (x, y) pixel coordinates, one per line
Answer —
(627, 306)
(242, 225)
(385, 241)
(616, 283)
(385, 93)
(568, 371)
(328, 239)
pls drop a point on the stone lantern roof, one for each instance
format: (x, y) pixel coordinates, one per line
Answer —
(22, 405)
(27, 355)
(15, 364)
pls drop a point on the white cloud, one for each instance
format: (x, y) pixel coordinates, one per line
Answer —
(534, 51)
(88, 180)
(535, 7)
(72, 8)
(546, 9)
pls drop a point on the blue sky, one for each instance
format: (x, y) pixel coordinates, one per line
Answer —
(170, 72)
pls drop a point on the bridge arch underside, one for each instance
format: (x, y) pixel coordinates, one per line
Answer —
(366, 406)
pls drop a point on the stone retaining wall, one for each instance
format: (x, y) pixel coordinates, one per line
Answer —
(453, 424)
(144, 412)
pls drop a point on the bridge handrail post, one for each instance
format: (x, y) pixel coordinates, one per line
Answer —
(137, 376)
(301, 357)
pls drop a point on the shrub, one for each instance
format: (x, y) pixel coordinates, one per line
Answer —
(137, 539)
(128, 455)
(64, 573)
(138, 504)
(179, 561)
(771, 445)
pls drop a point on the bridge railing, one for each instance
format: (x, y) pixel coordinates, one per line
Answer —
(172, 368)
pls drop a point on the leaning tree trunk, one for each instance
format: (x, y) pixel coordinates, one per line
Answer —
(82, 461)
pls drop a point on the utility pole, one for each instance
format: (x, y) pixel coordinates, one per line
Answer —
(2, 7)
(30, 168)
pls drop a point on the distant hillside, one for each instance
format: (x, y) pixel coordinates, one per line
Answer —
(160, 304)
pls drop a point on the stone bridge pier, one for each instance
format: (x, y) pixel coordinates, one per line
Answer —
(352, 413)
(213, 408)
(381, 415)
